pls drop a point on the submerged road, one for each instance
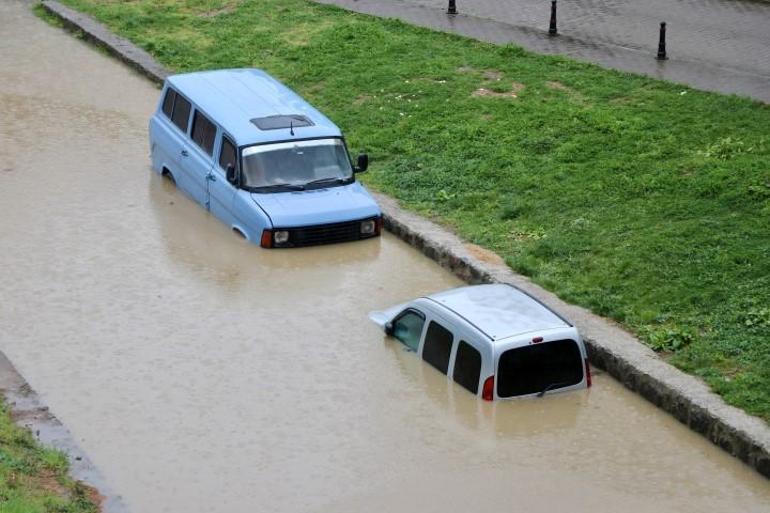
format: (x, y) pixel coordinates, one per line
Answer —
(715, 45)
(203, 374)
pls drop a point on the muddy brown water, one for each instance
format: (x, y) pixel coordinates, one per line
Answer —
(203, 374)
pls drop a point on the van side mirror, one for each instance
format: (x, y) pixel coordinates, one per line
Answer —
(389, 329)
(231, 177)
(363, 163)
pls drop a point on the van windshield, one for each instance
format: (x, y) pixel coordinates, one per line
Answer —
(537, 367)
(296, 164)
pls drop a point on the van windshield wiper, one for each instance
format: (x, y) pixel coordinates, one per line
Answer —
(289, 186)
(331, 179)
(551, 387)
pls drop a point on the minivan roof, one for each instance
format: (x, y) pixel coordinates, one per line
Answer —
(498, 310)
(234, 97)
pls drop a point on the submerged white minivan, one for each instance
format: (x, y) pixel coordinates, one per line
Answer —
(494, 340)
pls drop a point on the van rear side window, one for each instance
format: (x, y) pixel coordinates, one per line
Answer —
(168, 102)
(203, 132)
(534, 368)
(181, 113)
(438, 346)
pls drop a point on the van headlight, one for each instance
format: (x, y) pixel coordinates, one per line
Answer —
(368, 227)
(281, 237)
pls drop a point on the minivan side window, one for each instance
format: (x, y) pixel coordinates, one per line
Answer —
(437, 347)
(467, 367)
(181, 112)
(203, 132)
(408, 328)
(168, 102)
(227, 154)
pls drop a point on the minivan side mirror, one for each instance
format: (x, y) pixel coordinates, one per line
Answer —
(389, 329)
(231, 177)
(363, 163)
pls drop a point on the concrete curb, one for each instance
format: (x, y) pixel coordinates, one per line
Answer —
(610, 347)
(28, 411)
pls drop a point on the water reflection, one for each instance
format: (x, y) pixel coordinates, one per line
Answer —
(195, 239)
(506, 419)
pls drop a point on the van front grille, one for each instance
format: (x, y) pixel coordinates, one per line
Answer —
(327, 233)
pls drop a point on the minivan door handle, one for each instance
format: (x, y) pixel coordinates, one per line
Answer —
(211, 177)
(184, 153)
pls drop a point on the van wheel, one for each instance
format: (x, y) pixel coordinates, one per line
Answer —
(167, 174)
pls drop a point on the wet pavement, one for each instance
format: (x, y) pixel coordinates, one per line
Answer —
(203, 374)
(717, 45)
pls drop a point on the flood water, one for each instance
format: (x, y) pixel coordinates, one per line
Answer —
(203, 374)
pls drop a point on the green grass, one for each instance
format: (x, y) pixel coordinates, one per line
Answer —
(645, 201)
(34, 479)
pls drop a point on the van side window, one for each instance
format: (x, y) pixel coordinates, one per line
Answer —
(227, 154)
(408, 328)
(168, 102)
(467, 367)
(438, 346)
(203, 132)
(181, 112)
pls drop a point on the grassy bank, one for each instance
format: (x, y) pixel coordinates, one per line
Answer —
(34, 479)
(645, 201)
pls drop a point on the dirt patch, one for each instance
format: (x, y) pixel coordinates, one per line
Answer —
(227, 8)
(558, 86)
(574, 95)
(484, 92)
(46, 480)
(360, 100)
(486, 256)
(492, 74)
(302, 33)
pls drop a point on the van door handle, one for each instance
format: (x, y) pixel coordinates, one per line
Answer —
(185, 153)
(211, 177)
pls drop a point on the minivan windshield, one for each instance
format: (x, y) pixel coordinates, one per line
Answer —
(539, 367)
(296, 164)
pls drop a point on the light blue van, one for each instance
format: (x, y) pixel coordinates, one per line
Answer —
(261, 159)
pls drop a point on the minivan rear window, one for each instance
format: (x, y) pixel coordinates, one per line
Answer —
(537, 367)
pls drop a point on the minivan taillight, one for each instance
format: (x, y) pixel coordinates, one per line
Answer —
(488, 391)
(267, 239)
(588, 374)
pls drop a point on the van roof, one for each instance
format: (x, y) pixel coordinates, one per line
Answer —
(499, 310)
(235, 97)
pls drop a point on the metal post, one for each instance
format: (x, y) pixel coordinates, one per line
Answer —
(662, 42)
(552, 27)
(452, 9)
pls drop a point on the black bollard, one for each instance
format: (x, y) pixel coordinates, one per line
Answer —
(552, 27)
(452, 9)
(662, 42)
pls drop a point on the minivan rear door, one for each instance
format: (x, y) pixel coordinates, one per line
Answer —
(539, 368)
